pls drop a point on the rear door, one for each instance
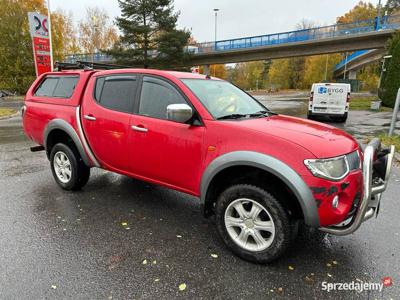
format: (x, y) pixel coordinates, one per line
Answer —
(106, 113)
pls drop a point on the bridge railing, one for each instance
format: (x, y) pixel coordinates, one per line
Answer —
(325, 32)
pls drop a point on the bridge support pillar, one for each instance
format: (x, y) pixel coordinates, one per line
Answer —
(206, 69)
(352, 74)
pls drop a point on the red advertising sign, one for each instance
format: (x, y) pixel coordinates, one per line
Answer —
(41, 43)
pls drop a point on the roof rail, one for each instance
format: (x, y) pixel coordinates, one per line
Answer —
(85, 65)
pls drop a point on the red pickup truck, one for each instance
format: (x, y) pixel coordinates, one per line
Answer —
(257, 172)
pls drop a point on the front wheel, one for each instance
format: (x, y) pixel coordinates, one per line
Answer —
(252, 223)
(67, 167)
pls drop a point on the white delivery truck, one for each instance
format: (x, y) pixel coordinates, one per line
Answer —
(329, 99)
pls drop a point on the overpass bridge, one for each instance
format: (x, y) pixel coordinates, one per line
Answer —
(348, 37)
(356, 61)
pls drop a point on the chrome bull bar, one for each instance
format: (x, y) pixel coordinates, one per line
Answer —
(372, 191)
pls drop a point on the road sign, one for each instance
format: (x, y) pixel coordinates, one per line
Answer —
(38, 27)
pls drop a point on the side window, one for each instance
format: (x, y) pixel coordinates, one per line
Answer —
(47, 87)
(65, 87)
(57, 87)
(116, 92)
(155, 96)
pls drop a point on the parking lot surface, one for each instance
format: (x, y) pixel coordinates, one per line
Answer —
(120, 238)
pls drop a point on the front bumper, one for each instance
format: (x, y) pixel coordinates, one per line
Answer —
(374, 186)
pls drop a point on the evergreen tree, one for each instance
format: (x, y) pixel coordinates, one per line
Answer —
(392, 6)
(149, 34)
(391, 78)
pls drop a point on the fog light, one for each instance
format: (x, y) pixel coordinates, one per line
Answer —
(335, 201)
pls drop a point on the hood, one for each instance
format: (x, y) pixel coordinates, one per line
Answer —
(320, 139)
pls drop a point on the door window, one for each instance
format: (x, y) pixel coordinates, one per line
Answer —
(116, 92)
(155, 96)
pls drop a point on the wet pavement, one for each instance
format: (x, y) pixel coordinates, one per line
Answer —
(72, 245)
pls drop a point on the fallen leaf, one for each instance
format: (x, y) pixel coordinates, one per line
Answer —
(127, 228)
(280, 290)
(124, 224)
(182, 287)
(328, 265)
(271, 291)
(144, 262)
(290, 268)
(154, 262)
(64, 229)
(156, 280)
(178, 236)
(214, 255)
(53, 286)
(329, 275)
(78, 219)
(334, 262)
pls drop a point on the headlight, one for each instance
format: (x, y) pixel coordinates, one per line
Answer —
(331, 168)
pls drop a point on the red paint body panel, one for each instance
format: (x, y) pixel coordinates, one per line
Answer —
(176, 155)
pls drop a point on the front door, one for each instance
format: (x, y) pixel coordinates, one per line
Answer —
(165, 151)
(106, 114)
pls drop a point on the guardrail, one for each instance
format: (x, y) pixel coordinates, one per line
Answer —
(325, 32)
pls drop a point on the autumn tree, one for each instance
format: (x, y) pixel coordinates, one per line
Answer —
(278, 75)
(218, 71)
(362, 11)
(17, 69)
(149, 34)
(319, 68)
(96, 33)
(63, 33)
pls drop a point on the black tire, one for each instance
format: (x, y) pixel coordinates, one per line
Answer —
(80, 173)
(310, 116)
(283, 228)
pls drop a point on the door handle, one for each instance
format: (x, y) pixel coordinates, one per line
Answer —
(89, 117)
(139, 128)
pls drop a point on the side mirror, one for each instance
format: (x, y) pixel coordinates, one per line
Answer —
(179, 112)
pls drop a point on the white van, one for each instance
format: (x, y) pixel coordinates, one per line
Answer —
(329, 99)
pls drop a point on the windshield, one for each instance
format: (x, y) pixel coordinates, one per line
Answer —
(224, 100)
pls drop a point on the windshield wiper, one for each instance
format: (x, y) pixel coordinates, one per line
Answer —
(259, 113)
(232, 116)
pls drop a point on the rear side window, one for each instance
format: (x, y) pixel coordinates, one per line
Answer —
(116, 92)
(57, 87)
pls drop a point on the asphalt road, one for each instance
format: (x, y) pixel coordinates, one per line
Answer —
(72, 245)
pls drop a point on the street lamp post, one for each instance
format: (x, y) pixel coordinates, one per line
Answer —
(49, 28)
(378, 17)
(383, 70)
(216, 10)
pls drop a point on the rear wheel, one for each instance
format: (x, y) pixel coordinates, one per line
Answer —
(252, 223)
(67, 167)
(310, 116)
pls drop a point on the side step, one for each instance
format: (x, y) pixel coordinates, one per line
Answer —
(37, 148)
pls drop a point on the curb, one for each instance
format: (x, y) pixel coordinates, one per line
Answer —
(10, 116)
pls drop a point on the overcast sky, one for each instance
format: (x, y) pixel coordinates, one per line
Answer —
(236, 18)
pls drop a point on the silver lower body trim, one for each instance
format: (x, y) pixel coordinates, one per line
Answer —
(83, 138)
